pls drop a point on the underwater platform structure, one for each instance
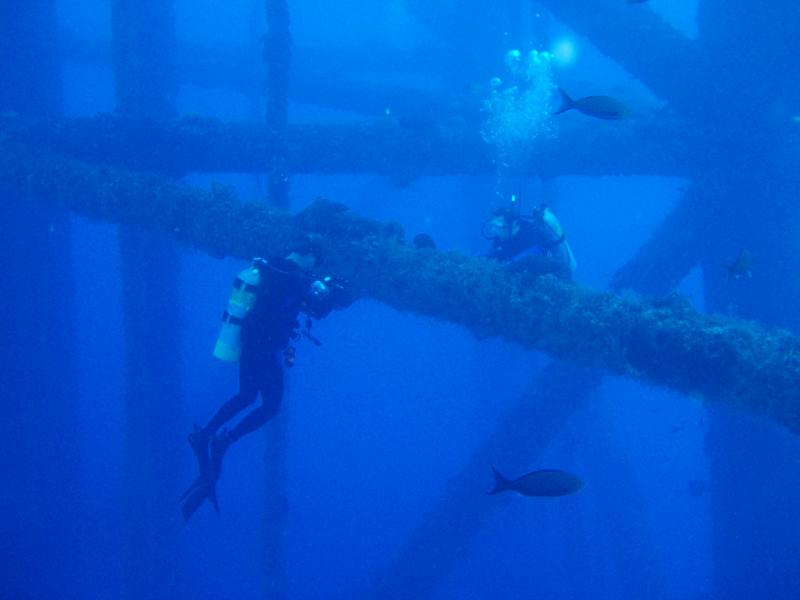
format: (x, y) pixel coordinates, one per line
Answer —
(98, 168)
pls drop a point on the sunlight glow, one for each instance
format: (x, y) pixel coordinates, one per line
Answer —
(565, 52)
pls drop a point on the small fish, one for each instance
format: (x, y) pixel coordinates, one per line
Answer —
(635, 1)
(600, 107)
(741, 266)
(548, 482)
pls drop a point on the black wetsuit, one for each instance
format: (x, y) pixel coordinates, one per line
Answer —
(538, 246)
(266, 332)
(527, 238)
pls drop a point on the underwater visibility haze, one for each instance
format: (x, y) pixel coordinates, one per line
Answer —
(545, 248)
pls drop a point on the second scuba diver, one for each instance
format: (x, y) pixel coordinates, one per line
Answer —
(538, 237)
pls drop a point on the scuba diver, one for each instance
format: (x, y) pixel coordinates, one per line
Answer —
(536, 239)
(258, 326)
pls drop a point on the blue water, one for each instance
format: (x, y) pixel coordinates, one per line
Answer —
(683, 499)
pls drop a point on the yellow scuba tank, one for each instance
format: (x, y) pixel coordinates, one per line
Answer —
(243, 298)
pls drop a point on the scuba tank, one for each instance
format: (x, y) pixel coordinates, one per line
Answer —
(243, 298)
(555, 239)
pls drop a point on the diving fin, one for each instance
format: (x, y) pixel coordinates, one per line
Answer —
(212, 497)
(195, 495)
(204, 487)
(201, 481)
(198, 441)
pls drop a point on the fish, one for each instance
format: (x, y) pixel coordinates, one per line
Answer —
(635, 1)
(741, 266)
(547, 482)
(600, 107)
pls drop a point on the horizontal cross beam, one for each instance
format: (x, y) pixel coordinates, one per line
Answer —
(665, 343)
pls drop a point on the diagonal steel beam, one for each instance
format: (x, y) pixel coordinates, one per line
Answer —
(638, 39)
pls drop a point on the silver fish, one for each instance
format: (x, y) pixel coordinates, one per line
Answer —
(547, 482)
